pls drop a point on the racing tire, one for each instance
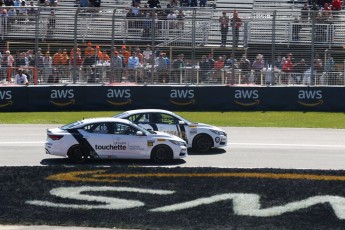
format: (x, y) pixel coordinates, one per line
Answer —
(202, 143)
(76, 154)
(162, 154)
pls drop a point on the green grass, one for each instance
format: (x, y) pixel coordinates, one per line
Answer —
(238, 119)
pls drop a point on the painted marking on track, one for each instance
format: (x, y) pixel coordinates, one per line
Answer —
(102, 176)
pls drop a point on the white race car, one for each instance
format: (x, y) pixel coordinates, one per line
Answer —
(200, 137)
(112, 138)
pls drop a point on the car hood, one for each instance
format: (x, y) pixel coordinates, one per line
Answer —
(206, 126)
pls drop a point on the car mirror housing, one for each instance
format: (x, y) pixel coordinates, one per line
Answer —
(139, 133)
(181, 122)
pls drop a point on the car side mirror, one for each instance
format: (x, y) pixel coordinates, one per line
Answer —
(181, 123)
(140, 133)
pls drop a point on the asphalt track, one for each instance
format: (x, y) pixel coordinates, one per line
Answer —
(285, 148)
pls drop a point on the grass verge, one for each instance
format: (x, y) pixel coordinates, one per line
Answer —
(236, 119)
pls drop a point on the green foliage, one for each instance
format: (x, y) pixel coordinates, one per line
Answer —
(238, 119)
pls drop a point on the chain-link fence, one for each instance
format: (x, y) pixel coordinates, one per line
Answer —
(263, 46)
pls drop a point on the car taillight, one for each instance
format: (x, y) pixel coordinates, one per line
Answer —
(55, 137)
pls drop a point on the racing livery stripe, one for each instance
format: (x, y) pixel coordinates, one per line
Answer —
(83, 142)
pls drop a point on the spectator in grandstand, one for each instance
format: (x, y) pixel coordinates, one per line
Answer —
(177, 66)
(218, 68)
(161, 68)
(174, 3)
(89, 51)
(132, 66)
(153, 3)
(130, 16)
(32, 11)
(204, 68)
(202, 3)
(235, 23)
(117, 63)
(97, 3)
(21, 78)
(257, 67)
(84, 3)
(64, 63)
(299, 70)
(211, 60)
(318, 66)
(16, 5)
(147, 52)
(105, 57)
(9, 2)
(180, 20)
(287, 69)
(98, 54)
(56, 60)
(193, 3)
(329, 68)
(140, 55)
(147, 25)
(184, 3)
(244, 66)
(125, 55)
(224, 28)
(296, 28)
(305, 13)
(336, 5)
(21, 60)
(314, 11)
(171, 17)
(42, 2)
(53, 3)
(326, 12)
(22, 12)
(51, 21)
(47, 64)
(77, 68)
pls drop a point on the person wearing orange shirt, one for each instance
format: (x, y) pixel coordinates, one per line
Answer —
(78, 52)
(105, 57)
(57, 61)
(98, 53)
(64, 63)
(126, 54)
(89, 51)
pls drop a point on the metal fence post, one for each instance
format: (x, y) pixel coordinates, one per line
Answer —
(273, 53)
(193, 45)
(112, 72)
(75, 46)
(312, 57)
(153, 29)
(37, 30)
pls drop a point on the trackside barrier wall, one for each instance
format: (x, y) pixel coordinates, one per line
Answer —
(216, 98)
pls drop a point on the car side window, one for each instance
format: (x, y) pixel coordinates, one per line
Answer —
(98, 128)
(139, 118)
(123, 129)
(168, 119)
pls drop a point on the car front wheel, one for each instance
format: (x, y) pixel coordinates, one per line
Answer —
(162, 154)
(202, 143)
(76, 154)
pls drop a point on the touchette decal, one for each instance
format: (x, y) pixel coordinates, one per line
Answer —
(182, 97)
(246, 97)
(119, 97)
(62, 97)
(310, 98)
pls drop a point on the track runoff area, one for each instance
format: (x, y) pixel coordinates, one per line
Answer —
(172, 197)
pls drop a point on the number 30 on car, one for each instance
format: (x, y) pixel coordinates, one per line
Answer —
(112, 138)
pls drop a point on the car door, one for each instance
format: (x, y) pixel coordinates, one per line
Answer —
(133, 145)
(100, 137)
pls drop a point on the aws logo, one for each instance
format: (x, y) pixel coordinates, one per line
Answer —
(310, 98)
(62, 97)
(247, 97)
(182, 97)
(119, 96)
(5, 98)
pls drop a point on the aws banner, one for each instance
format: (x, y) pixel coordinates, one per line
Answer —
(217, 98)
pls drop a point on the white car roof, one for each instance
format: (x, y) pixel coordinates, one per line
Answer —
(105, 119)
(148, 111)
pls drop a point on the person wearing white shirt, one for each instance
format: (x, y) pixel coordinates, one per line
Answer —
(20, 78)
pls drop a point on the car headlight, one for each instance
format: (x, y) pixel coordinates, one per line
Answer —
(180, 143)
(218, 132)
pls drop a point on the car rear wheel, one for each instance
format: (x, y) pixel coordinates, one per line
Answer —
(202, 143)
(76, 154)
(162, 154)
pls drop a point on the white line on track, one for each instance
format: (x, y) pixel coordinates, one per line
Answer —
(289, 145)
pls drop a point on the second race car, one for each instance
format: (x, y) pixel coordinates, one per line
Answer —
(200, 137)
(112, 138)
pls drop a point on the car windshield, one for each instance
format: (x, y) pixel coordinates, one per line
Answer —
(120, 114)
(145, 131)
(70, 125)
